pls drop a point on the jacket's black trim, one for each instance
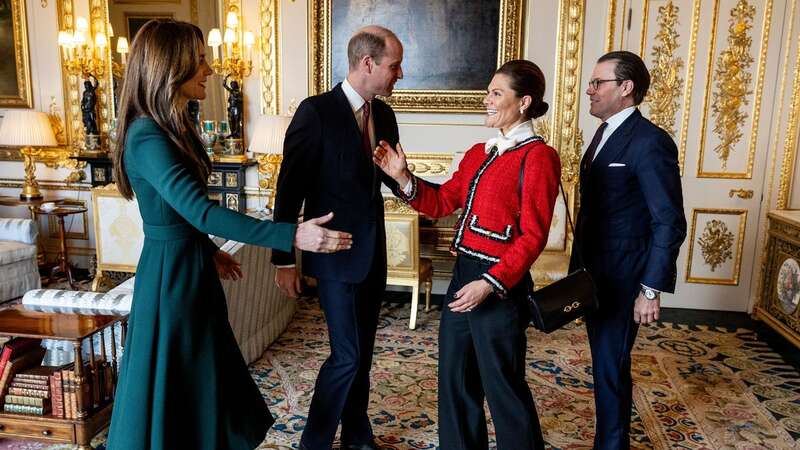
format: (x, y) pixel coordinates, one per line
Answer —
(496, 284)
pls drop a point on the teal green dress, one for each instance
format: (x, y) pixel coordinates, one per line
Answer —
(183, 382)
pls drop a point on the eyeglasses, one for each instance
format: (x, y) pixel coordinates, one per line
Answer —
(595, 83)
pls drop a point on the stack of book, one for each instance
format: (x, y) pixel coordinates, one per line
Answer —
(29, 392)
(20, 354)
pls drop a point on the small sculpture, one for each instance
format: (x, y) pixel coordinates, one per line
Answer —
(89, 106)
(194, 112)
(235, 107)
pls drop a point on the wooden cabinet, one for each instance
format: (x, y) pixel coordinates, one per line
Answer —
(780, 276)
(18, 320)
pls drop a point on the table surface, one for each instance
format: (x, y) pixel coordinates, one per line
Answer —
(61, 210)
(16, 201)
(19, 320)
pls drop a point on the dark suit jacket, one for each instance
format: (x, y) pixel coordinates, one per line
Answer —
(631, 222)
(324, 165)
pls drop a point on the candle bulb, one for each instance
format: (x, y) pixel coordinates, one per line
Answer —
(249, 39)
(214, 41)
(230, 39)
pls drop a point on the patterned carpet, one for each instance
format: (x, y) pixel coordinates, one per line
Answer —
(696, 387)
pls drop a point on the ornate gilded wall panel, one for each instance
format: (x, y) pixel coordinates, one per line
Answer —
(670, 53)
(792, 129)
(732, 98)
(269, 68)
(716, 240)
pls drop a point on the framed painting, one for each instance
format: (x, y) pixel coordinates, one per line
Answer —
(450, 47)
(15, 73)
(135, 21)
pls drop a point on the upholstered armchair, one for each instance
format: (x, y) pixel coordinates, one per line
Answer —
(19, 271)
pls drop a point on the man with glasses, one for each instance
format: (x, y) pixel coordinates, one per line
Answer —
(630, 227)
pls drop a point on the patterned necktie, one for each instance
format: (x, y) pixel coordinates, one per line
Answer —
(366, 143)
(590, 152)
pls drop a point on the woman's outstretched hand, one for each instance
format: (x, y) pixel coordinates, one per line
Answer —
(312, 237)
(392, 162)
(227, 267)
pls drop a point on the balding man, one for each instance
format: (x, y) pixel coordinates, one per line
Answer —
(327, 162)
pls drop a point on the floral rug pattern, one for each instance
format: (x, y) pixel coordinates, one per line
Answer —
(695, 387)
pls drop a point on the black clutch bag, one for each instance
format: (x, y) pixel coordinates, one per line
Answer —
(567, 299)
(562, 301)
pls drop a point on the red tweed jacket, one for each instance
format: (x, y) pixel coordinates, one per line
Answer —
(495, 226)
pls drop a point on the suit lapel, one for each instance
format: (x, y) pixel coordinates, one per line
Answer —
(618, 141)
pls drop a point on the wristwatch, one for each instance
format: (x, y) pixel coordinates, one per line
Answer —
(650, 294)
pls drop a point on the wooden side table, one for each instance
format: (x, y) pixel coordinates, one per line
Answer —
(63, 263)
(20, 321)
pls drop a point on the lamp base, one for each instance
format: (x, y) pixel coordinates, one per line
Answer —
(30, 193)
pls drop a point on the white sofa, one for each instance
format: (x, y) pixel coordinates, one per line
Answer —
(19, 271)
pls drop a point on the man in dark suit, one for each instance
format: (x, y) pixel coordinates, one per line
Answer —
(327, 162)
(630, 227)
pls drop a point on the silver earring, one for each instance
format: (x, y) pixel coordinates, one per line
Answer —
(522, 110)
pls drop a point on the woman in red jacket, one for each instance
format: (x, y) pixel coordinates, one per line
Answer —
(505, 219)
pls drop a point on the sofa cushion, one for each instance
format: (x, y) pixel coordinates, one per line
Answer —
(17, 278)
(20, 230)
(13, 251)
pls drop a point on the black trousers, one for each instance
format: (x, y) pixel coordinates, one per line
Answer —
(482, 355)
(341, 393)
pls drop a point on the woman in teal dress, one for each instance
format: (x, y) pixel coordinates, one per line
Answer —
(183, 383)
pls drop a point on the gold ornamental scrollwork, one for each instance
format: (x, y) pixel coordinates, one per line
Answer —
(397, 206)
(716, 243)
(733, 79)
(665, 92)
(429, 164)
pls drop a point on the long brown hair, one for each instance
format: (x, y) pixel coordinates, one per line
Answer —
(164, 55)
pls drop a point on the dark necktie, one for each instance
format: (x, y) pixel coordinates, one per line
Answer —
(366, 143)
(592, 150)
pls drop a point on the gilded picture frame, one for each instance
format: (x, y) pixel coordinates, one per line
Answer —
(448, 82)
(15, 77)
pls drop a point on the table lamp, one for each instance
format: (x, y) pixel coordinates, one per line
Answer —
(29, 130)
(267, 140)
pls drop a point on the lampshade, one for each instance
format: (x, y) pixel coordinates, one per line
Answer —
(26, 128)
(269, 133)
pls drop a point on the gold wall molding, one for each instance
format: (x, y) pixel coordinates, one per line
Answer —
(49, 185)
(643, 31)
(71, 83)
(611, 24)
(732, 79)
(716, 244)
(397, 206)
(790, 137)
(687, 96)
(569, 53)
(269, 48)
(23, 98)
(664, 94)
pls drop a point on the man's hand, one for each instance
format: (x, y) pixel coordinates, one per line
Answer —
(646, 311)
(288, 281)
(227, 267)
(470, 296)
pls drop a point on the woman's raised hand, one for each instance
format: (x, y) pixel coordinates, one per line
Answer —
(310, 236)
(392, 162)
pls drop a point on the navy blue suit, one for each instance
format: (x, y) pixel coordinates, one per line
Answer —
(630, 227)
(325, 166)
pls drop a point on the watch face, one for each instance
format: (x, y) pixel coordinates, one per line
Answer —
(649, 294)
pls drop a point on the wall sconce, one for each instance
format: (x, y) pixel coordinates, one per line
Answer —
(234, 63)
(267, 140)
